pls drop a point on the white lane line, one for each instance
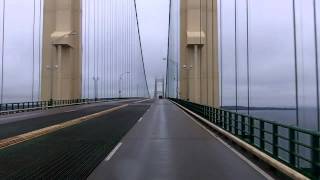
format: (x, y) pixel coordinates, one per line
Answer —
(140, 120)
(113, 152)
(141, 101)
(71, 111)
(258, 169)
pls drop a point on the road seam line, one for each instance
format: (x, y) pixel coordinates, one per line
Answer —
(113, 152)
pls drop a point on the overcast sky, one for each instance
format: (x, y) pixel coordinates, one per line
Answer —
(154, 20)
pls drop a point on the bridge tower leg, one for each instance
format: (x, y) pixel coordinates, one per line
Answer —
(61, 67)
(199, 80)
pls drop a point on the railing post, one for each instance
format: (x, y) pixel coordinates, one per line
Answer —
(236, 119)
(243, 126)
(230, 121)
(315, 156)
(292, 147)
(275, 140)
(224, 120)
(262, 135)
(251, 130)
(215, 115)
(218, 116)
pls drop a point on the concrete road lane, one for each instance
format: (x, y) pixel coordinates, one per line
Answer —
(70, 153)
(18, 124)
(167, 145)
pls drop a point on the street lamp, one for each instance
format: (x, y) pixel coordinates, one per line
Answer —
(95, 81)
(120, 79)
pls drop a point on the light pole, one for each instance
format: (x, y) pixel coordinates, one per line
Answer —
(120, 79)
(95, 80)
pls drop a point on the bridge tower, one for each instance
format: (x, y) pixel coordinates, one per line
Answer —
(61, 67)
(199, 75)
(158, 93)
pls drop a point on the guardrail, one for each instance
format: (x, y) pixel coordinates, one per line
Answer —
(295, 147)
(37, 105)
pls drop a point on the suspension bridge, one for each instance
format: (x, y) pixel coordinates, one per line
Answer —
(240, 98)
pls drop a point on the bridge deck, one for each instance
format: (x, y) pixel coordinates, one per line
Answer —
(168, 144)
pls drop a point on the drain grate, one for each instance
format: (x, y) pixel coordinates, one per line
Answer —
(71, 153)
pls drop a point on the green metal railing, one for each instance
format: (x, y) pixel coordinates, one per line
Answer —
(36, 105)
(295, 147)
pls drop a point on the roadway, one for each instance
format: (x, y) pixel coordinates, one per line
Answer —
(168, 144)
(151, 140)
(69, 153)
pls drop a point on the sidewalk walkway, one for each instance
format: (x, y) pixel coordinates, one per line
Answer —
(168, 145)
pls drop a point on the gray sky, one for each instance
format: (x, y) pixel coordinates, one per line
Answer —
(153, 17)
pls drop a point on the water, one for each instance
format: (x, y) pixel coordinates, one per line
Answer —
(307, 117)
(307, 120)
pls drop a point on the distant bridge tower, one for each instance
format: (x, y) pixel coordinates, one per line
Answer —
(158, 93)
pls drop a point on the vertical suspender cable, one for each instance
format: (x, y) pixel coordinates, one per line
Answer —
(200, 59)
(109, 46)
(99, 54)
(98, 77)
(144, 70)
(88, 47)
(113, 47)
(33, 48)
(94, 48)
(207, 55)
(168, 54)
(125, 31)
(104, 48)
(248, 58)
(84, 46)
(128, 50)
(40, 48)
(125, 49)
(295, 58)
(316, 59)
(2, 51)
(296, 71)
(236, 52)
(127, 53)
(221, 53)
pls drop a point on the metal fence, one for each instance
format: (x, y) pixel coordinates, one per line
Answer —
(295, 147)
(37, 105)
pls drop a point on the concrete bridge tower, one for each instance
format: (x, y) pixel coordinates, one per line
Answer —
(61, 67)
(199, 75)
